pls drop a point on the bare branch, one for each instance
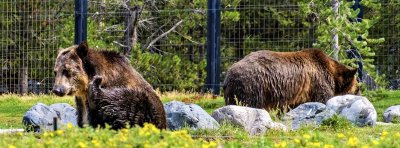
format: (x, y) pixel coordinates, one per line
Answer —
(163, 35)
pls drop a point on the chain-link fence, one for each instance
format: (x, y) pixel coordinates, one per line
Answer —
(166, 40)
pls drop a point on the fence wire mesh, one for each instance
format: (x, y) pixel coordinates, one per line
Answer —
(166, 40)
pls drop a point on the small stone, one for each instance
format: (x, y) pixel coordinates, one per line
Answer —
(254, 121)
(391, 113)
(357, 109)
(180, 115)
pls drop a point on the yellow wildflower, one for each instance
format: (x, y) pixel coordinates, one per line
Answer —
(315, 144)
(297, 140)
(111, 143)
(123, 138)
(211, 144)
(59, 132)
(281, 144)
(328, 146)
(375, 142)
(81, 145)
(384, 133)
(397, 134)
(353, 141)
(162, 144)
(146, 144)
(45, 134)
(69, 125)
(11, 146)
(125, 131)
(148, 129)
(20, 134)
(365, 146)
(96, 143)
(306, 136)
(340, 135)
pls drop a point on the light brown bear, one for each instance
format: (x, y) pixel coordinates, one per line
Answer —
(76, 66)
(277, 80)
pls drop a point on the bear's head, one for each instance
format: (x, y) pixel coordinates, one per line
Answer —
(346, 81)
(69, 71)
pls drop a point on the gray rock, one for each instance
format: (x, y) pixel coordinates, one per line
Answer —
(180, 115)
(65, 113)
(311, 113)
(40, 116)
(255, 121)
(356, 109)
(391, 113)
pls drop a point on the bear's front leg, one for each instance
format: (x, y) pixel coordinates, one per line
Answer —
(82, 110)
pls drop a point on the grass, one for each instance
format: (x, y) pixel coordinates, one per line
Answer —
(13, 107)
(337, 132)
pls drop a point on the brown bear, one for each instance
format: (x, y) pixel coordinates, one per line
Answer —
(76, 66)
(282, 80)
(121, 106)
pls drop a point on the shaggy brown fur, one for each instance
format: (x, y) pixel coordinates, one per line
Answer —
(75, 67)
(120, 106)
(267, 79)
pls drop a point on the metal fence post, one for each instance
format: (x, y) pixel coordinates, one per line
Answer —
(81, 8)
(213, 46)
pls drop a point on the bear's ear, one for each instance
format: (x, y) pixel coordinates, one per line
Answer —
(351, 72)
(82, 49)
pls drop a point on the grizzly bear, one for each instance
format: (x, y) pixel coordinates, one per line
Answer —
(76, 66)
(282, 80)
(121, 106)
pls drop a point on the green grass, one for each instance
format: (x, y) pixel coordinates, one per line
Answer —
(13, 107)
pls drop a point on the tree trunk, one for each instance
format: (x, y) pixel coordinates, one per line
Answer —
(130, 35)
(335, 38)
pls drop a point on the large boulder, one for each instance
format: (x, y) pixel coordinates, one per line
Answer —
(41, 117)
(180, 115)
(311, 113)
(255, 121)
(357, 109)
(392, 113)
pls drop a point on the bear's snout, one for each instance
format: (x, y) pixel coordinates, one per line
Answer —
(59, 90)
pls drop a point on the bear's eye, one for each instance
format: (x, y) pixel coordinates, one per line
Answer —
(66, 73)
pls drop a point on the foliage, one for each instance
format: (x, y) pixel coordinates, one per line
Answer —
(148, 136)
(388, 21)
(348, 28)
(169, 72)
(226, 136)
(337, 122)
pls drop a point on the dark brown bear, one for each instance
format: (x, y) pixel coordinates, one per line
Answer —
(121, 106)
(277, 80)
(77, 65)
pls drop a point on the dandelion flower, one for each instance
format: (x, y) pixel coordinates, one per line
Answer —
(340, 135)
(11, 146)
(328, 146)
(316, 144)
(212, 144)
(353, 141)
(384, 133)
(297, 140)
(375, 142)
(69, 125)
(280, 144)
(81, 145)
(306, 136)
(397, 134)
(365, 146)
(59, 132)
